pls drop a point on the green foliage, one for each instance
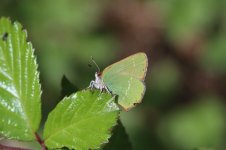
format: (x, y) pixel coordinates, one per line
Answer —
(82, 121)
(68, 33)
(165, 81)
(67, 88)
(201, 124)
(213, 55)
(191, 33)
(187, 18)
(119, 140)
(20, 92)
(203, 148)
(166, 77)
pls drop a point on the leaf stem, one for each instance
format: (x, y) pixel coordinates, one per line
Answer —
(11, 148)
(40, 141)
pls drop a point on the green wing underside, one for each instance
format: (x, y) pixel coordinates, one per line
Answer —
(129, 89)
(125, 78)
(135, 66)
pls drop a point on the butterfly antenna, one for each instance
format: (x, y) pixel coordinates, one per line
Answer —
(95, 64)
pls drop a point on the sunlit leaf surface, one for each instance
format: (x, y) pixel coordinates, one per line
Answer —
(82, 121)
(20, 109)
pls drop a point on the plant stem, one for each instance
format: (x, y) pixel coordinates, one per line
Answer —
(11, 148)
(40, 141)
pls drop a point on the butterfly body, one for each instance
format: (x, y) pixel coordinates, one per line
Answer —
(98, 83)
(124, 78)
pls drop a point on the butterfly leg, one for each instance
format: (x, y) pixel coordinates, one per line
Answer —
(101, 91)
(91, 85)
(106, 88)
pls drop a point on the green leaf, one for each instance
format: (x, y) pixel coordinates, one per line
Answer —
(81, 121)
(20, 90)
(119, 140)
(203, 148)
(200, 124)
(214, 62)
(67, 88)
(185, 19)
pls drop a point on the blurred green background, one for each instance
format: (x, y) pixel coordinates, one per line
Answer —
(184, 105)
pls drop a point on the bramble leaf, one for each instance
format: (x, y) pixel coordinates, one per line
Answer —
(67, 88)
(20, 91)
(119, 140)
(83, 120)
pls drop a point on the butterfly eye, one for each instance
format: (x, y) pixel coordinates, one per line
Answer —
(99, 73)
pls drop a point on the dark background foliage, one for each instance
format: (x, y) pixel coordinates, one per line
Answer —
(184, 105)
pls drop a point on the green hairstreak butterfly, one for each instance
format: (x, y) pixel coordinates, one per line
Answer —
(124, 78)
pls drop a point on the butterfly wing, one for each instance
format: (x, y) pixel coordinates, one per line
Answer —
(126, 79)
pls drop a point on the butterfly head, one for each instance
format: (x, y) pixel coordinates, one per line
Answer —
(98, 75)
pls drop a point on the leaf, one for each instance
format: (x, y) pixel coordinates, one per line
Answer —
(199, 124)
(214, 62)
(119, 140)
(67, 88)
(203, 148)
(81, 121)
(187, 19)
(20, 90)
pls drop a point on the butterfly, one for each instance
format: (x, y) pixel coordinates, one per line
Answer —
(124, 78)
